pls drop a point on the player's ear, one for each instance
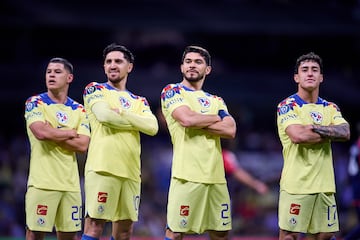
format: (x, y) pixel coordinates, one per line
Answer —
(208, 70)
(130, 67)
(296, 78)
(70, 78)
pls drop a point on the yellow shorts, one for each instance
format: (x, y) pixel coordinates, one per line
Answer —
(308, 213)
(197, 207)
(111, 198)
(46, 209)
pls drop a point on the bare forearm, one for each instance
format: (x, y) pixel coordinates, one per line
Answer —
(77, 144)
(225, 128)
(333, 132)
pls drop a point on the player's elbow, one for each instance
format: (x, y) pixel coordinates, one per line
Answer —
(102, 118)
(83, 146)
(296, 139)
(229, 135)
(152, 131)
(40, 135)
(82, 149)
(185, 123)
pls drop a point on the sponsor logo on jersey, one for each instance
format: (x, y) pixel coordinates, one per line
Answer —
(295, 209)
(102, 197)
(184, 210)
(41, 209)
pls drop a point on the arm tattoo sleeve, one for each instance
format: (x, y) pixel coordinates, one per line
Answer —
(333, 132)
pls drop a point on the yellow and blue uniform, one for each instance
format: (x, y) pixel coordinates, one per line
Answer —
(53, 175)
(307, 168)
(198, 196)
(197, 156)
(111, 150)
(113, 165)
(51, 166)
(307, 185)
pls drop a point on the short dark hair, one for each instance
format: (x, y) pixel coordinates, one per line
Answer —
(67, 65)
(116, 47)
(311, 56)
(202, 51)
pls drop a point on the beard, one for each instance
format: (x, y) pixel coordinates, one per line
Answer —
(193, 77)
(115, 80)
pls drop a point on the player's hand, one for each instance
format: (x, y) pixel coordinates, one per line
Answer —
(73, 133)
(117, 110)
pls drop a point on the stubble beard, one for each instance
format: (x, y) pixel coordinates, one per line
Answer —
(115, 80)
(193, 78)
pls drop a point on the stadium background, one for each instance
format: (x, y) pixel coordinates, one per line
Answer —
(254, 45)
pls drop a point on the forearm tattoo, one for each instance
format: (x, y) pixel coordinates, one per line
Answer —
(333, 132)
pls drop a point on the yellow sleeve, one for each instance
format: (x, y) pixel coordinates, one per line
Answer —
(147, 124)
(108, 117)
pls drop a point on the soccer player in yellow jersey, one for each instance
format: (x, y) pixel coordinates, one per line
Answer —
(198, 199)
(112, 169)
(307, 124)
(57, 128)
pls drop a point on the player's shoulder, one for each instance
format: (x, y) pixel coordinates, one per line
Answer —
(171, 86)
(170, 90)
(39, 99)
(138, 97)
(290, 100)
(75, 105)
(33, 98)
(93, 86)
(214, 96)
(326, 103)
(33, 102)
(287, 104)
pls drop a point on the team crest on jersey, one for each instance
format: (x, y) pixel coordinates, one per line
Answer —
(62, 117)
(204, 102)
(41, 221)
(293, 221)
(183, 222)
(125, 103)
(317, 117)
(101, 209)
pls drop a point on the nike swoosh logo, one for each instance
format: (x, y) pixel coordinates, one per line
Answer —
(225, 223)
(330, 224)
